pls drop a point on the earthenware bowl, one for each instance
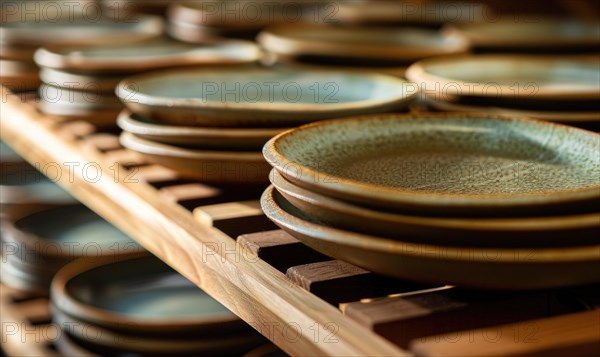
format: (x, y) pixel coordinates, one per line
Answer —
(568, 230)
(511, 79)
(403, 45)
(195, 136)
(452, 164)
(240, 167)
(140, 296)
(260, 97)
(489, 268)
(537, 33)
(144, 55)
(45, 30)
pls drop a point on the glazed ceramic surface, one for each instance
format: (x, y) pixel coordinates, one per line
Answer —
(144, 55)
(443, 163)
(260, 97)
(242, 167)
(81, 82)
(488, 268)
(528, 34)
(507, 76)
(197, 137)
(542, 231)
(366, 43)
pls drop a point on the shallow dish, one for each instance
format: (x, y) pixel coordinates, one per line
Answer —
(531, 34)
(568, 230)
(139, 295)
(365, 43)
(44, 30)
(195, 136)
(260, 97)
(78, 81)
(90, 100)
(489, 268)
(144, 56)
(457, 164)
(512, 77)
(241, 167)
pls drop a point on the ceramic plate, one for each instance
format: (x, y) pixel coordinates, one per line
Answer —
(144, 55)
(530, 34)
(566, 230)
(566, 117)
(198, 34)
(367, 43)
(195, 136)
(241, 167)
(490, 268)
(454, 164)
(260, 97)
(525, 78)
(399, 12)
(141, 295)
(45, 30)
(81, 82)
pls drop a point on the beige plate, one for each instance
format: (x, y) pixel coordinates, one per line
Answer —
(453, 164)
(500, 232)
(82, 82)
(557, 116)
(490, 268)
(260, 97)
(401, 45)
(81, 100)
(140, 295)
(197, 137)
(527, 78)
(530, 33)
(44, 30)
(144, 55)
(211, 166)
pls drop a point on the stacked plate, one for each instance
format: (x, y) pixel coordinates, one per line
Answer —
(203, 21)
(36, 245)
(531, 35)
(562, 89)
(356, 46)
(27, 25)
(140, 306)
(473, 200)
(80, 80)
(210, 124)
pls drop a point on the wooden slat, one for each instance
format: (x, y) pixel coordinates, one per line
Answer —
(153, 174)
(404, 318)
(280, 249)
(251, 288)
(234, 218)
(124, 157)
(189, 191)
(570, 335)
(103, 141)
(337, 282)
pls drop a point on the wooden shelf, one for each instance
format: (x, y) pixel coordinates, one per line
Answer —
(217, 237)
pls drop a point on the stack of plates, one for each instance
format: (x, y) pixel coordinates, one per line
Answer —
(201, 21)
(473, 200)
(140, 306)
(27, 25)
(23, 189)
(547, 35)
(561, 89)
(38, 244)
(356, 46)
(80, 80)
(210, 124)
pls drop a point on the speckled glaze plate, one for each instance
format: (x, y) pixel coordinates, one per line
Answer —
(454, 164)
(530, 34)
(144, 55)
(516, 77)
(260, 97)
(44, 30)
(195, 136)
(240, 167)
(365, 43)
(139, 294)
(489, 268)
(568, 230)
